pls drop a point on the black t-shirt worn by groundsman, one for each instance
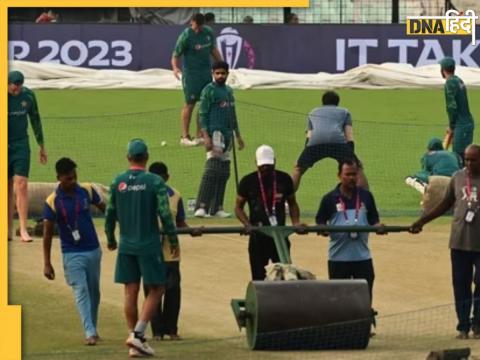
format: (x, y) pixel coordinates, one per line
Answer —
(249, 189)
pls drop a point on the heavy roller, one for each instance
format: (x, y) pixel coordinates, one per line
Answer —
(39, 191)
(303, 314)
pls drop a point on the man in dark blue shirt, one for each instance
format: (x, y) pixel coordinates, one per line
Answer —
(69, 208)
(349, 255)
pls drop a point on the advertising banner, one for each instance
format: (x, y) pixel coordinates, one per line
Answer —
(295, 49)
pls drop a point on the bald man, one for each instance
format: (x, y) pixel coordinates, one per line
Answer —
(462, 194)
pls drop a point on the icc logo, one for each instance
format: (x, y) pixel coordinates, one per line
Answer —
(231, 45)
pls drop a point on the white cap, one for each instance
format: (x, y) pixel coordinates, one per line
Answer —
(265, 155)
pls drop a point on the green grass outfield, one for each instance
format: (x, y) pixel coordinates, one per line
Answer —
(412, 293)
(391, 129)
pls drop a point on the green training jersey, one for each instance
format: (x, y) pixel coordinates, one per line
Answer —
(196, 49)
(457, 102)
(19, 107)
(217, 110)
(440, 162)
(136, 199)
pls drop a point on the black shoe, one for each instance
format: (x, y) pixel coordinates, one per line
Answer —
(476, 331)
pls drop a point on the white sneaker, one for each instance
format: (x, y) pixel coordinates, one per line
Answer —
(200, 213)
(198, 141)
(185, 141)
(409, 181)
(418, 185)
(140, 345)
(222, 214)
(134, 353)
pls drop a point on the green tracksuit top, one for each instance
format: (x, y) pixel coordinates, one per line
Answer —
(457, 103)
(196, 49)
(136, 199)
(440, 162)
(19, 107)
(217, 111)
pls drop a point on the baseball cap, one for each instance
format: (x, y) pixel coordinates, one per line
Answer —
(15, 77)
(447, 62)
(137, 147)
(265, 155)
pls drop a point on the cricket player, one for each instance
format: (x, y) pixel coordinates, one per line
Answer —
(460, 120)
(137, 197)
(22, 104)
(435, 162)
(196, 44)
(219, 124)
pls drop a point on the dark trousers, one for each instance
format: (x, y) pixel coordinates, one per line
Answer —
(462, 137)
(165, 320)
(353, 270)
(261, 249)
(213, 184)
(465, 268)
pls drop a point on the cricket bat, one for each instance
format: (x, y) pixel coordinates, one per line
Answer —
(447, 140)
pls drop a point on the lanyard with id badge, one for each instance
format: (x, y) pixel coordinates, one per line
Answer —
(472, 195)
(272, 218)
(74, 230)
(353, 235)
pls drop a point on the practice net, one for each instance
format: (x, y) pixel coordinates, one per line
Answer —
(389, 151)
